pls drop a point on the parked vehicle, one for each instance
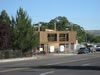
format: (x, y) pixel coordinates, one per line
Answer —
(91, 48)
(98, 48)
(83, 50)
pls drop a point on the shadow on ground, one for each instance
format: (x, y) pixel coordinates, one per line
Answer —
(97, 68)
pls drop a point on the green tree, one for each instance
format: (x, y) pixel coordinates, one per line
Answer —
(5, 18)
(98, 39)
(13, 33)
(81, 34)
(61, 23)
(4, 35)
(25, 34)
(4, 30)
(44, 25)
(93, 38)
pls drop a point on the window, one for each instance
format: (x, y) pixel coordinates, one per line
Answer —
(63, 37)
(52, 37)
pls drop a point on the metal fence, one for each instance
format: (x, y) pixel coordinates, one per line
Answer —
(13, 54)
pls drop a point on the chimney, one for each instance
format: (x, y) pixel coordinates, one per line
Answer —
(55, 26)
(39, 27)
(71, 27)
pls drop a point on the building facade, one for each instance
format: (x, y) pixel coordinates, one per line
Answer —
(56, 39)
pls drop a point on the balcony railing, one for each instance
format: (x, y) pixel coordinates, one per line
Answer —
(52, 39)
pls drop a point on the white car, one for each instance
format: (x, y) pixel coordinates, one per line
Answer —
(98, 48)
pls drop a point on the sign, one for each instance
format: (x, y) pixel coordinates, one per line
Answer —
(51, 49)
(41, 49)
(62, 48)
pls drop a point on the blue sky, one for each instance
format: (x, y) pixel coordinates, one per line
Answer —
(83, 12)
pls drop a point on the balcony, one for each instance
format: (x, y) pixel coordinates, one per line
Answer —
(63, 37)
(52, 37)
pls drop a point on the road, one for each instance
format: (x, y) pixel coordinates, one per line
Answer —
(83, 64)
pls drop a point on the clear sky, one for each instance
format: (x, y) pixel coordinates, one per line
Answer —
(83, 12)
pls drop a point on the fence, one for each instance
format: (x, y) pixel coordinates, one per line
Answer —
(13, 54)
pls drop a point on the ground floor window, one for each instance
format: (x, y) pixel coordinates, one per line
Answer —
(64, 47)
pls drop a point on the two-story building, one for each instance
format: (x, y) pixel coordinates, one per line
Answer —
(54, 38)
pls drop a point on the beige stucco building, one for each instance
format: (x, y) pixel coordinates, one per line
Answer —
(49, 38)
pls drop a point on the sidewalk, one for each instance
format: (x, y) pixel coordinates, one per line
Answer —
(16, 59)
(33, 57)
(70, 54)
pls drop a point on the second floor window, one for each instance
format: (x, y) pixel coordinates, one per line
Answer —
(52, 37)
(63, 37)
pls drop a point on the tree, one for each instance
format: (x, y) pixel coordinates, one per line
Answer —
(12, 33)
(25, 35)
(93, 38)
(5, 18)
(4, 30)
(4, 35)
(98, 39)
(44, 25)
(61, 23)
(81, 34)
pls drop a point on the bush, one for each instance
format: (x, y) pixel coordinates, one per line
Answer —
(11, 55)
(1, 55)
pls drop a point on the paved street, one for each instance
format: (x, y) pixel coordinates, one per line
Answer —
(85, 64)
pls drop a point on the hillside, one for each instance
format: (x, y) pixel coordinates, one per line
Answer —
(95, 32)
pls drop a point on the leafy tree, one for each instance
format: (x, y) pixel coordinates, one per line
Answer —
(90, 37)
(93, 38)
(4, 35)
(4, 30)
(81, 35)
(25, 35)
(13, 33)
(98, 39)
(5, 18)
(44, 25)
(61, 23)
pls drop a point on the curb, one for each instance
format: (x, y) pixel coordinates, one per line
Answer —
(16, 59)
(31, 58)
(66, 54)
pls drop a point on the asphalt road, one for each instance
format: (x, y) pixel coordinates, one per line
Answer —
(85, 64)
